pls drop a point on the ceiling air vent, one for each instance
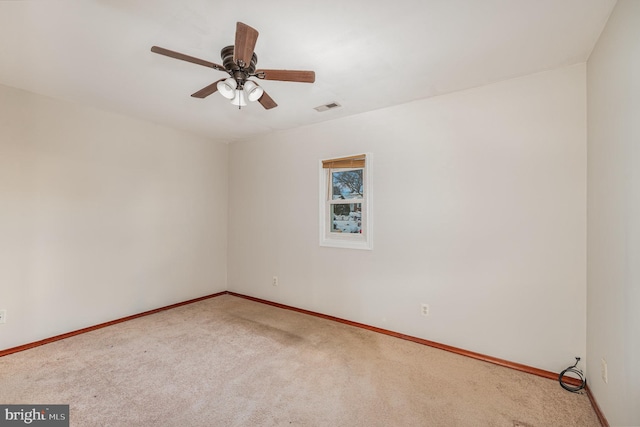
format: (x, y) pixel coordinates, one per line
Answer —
(326, 107)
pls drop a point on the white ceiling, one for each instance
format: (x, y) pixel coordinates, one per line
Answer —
(367, 55)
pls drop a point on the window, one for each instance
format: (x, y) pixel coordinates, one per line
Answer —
(345, 202)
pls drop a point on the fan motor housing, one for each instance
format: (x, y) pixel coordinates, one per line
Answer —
(227, 61)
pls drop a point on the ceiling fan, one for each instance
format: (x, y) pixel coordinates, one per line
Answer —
(239, 61)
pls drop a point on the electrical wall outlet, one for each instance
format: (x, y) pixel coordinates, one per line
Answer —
(603, 371)
(424, 309)
(274, 281)
(3, 316)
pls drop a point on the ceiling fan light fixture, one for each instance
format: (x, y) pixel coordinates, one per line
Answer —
(239, 62)
(227, 88)
(239, 99)
(253, 91)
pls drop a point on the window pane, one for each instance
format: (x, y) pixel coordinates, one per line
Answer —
(346, 218)
(347, 184)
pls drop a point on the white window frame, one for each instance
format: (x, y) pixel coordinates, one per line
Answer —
(329, 238)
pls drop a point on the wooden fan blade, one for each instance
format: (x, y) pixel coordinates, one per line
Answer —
(288, 75)
(267, 102)
(246, 38)
(183, 57)
(208, 90)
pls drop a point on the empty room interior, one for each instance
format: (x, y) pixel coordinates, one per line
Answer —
(335, 197)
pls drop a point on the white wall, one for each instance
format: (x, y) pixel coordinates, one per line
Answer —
(480, 211)
(102, 216)
(613, 320)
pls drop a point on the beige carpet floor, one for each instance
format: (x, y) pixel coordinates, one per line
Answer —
(228, 361)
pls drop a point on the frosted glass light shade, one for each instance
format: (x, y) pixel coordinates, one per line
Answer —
(227, 88)
(253, 91)
(239, 99)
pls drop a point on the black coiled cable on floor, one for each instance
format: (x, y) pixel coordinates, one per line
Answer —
(576, 371)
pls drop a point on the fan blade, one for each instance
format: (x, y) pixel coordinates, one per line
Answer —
(267, 102)
(206, 91)
(287, 75)
(246, 38)
(183, 57)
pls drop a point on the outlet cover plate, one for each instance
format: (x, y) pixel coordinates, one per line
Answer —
(424, 309)
(604, 371)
